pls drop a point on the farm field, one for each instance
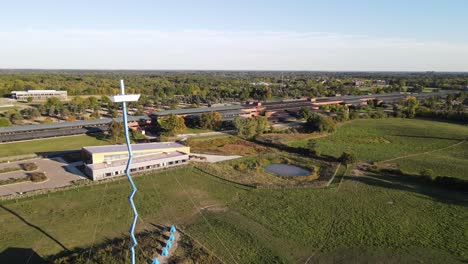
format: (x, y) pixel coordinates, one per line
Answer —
(382, 139)
(49, 144)
(366, 218)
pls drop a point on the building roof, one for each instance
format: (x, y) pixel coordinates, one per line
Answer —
(80, 123)
(135, 147)
(38, 91)
(135, 161)
(197, 110)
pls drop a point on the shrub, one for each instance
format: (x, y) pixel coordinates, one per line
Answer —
(37, 177)
(29, 166)
(348, 158)
(427, 173)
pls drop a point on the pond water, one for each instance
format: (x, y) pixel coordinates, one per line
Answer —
(287, 170)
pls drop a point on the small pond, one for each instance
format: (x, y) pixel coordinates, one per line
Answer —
(287, 170)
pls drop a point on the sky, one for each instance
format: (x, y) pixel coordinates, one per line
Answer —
(311, 35)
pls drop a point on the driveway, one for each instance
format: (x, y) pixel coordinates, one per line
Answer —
(213, 158)
(58, 172)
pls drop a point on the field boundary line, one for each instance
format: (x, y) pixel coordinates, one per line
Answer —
(334, 174)
(422, 153)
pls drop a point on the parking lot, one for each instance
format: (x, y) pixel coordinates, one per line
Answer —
(59, 173)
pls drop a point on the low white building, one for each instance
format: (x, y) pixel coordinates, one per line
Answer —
(108, 161)
(39, 94)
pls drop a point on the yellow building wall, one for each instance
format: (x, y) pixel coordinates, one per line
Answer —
(99, 157)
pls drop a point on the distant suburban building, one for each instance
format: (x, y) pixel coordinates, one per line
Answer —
(379, 82)
(38, 94)
(358, 83)
(107, 161)
(260, 83)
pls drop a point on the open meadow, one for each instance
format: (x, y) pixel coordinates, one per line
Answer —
(401, 141)
(366, 218)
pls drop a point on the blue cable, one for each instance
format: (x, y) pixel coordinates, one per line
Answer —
(134, 189)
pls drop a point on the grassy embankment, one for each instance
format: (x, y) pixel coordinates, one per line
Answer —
(367, 219)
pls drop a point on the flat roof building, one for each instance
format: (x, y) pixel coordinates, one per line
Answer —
(38, 94)
(108, 161)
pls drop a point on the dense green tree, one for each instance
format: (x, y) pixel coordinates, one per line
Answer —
(304, 113)
(411, 104)
(93, 103)
(116, 132)
(210, 120)
(348, 158)
(172, 124)
(251, 127)
(4, 122)
(320, 123)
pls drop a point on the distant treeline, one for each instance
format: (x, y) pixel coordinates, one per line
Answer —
(217, 86)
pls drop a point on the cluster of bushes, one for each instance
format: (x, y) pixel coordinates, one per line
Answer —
(251, 127)
(251, 165)
(29, 166)
(37, 177)
(425, 176)
(445, 115)
(379, 114)
(320, 123)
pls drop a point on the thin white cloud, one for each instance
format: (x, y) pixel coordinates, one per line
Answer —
(205, 49)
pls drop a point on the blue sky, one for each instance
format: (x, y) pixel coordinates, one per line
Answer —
(255, 34)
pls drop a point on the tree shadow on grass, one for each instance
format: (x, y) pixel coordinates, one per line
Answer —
(429, 190)
(13, 255)
(98, 136)
(34, 226)
(116, 250)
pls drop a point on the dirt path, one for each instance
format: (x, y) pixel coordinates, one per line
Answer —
(422, 153)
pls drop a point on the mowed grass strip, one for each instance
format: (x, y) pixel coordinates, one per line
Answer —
(49, 144)
(367, 212)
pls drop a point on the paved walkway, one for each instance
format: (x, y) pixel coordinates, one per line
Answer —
(58, 172)
(214, 158)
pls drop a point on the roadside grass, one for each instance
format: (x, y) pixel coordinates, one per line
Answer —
(190, 130)
(367, 214)
(49, 145)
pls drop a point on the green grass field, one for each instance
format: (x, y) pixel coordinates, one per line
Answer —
(382, 139)
(367, 219)
(49, 144)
